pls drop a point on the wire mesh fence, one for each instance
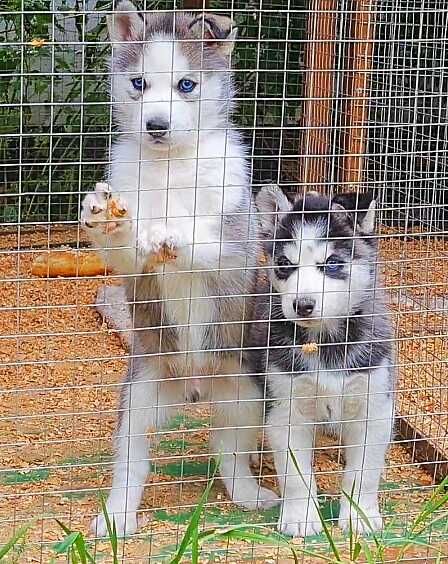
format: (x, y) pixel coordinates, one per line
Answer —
(347, 99)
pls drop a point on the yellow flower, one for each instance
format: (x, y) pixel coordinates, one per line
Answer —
(38, 42)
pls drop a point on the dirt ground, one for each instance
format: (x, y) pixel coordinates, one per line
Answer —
(60, 371)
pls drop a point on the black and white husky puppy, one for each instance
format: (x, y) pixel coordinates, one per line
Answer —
(180, 182)
(323, 290)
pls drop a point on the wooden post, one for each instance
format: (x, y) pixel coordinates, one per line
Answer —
(356, 90)
(319, 114)
(314, 162)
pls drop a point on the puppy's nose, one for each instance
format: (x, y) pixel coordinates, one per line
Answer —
(304, 306)
(157, 128)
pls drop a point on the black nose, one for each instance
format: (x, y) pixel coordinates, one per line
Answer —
(157, 128)
(304, 306)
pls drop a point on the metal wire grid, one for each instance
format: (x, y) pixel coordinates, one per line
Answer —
(52, 337)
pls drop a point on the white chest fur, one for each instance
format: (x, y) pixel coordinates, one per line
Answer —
(187, 194)
(328, 397)
(179, 189)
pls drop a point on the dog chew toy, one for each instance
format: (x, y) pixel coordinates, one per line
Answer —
(67, 263)
(114, 211)
(166, 254)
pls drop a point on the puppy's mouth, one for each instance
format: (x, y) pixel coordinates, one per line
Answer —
(160, 143)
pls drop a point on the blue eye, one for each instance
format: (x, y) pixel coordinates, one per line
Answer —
(139, 83)
(334, 263)
(185, 85)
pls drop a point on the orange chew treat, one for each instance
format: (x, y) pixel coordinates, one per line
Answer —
(67, 263)
(114, 210)
(166, 254)
(309, 348)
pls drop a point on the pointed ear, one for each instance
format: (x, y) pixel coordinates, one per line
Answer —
(125, 23)
(273, 205)
(338, 207)
(356, 205)
(216, 30)
(367, 223)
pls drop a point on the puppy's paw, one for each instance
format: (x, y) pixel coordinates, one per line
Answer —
(360, 525)
(104, 214)
(255, 497)
(159, 246)
(299, 519)
(125, 524)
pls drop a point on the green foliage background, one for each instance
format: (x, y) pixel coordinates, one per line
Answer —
(54, 102)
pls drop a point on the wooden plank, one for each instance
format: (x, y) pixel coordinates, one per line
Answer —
(356, 90)
(314, 161)
(424, 450)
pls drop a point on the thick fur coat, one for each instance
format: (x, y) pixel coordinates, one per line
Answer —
(185, 240)
(322, 352)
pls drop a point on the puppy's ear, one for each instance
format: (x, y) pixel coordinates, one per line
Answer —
(359, 208)
(367, 223)
(125, 23)
(273, 205)
(216, 30)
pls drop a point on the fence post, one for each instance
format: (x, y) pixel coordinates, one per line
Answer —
(359, 62)
(316, 146)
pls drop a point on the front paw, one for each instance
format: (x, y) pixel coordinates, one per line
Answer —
(159, 246)
(369, 522)
(104, 214)
(252, 496)
(125, 524)
(299, 519)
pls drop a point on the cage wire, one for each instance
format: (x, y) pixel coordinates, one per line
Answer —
(333, 96)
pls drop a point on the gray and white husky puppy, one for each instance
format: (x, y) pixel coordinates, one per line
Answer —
(323, 291)
(180, 182)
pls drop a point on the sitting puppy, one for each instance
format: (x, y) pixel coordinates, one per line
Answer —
(327, 359)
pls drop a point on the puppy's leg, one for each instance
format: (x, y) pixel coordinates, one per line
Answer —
(287, 429)
(142, 404)
(237, 422)
(366, 441)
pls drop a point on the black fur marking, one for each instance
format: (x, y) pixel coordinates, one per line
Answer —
(360, 342)
(214, 29)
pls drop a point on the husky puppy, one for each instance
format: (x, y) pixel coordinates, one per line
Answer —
(323, 293)
(185, 234)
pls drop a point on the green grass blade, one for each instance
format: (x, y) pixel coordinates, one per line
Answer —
(433, 503)
(420, 524)
(111, 531)
(66, 544)
(240, 532)
(356, 551)
(74, 543)
(350, 528)
(13, 541)
(66, 530)
(193, 524)
(74, 556)
(82, 549)
(368, 554)
(327, 532)
(364, 518)
(195, 546)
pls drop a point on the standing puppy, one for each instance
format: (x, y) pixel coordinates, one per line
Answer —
(324, 296)
(176, 217)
